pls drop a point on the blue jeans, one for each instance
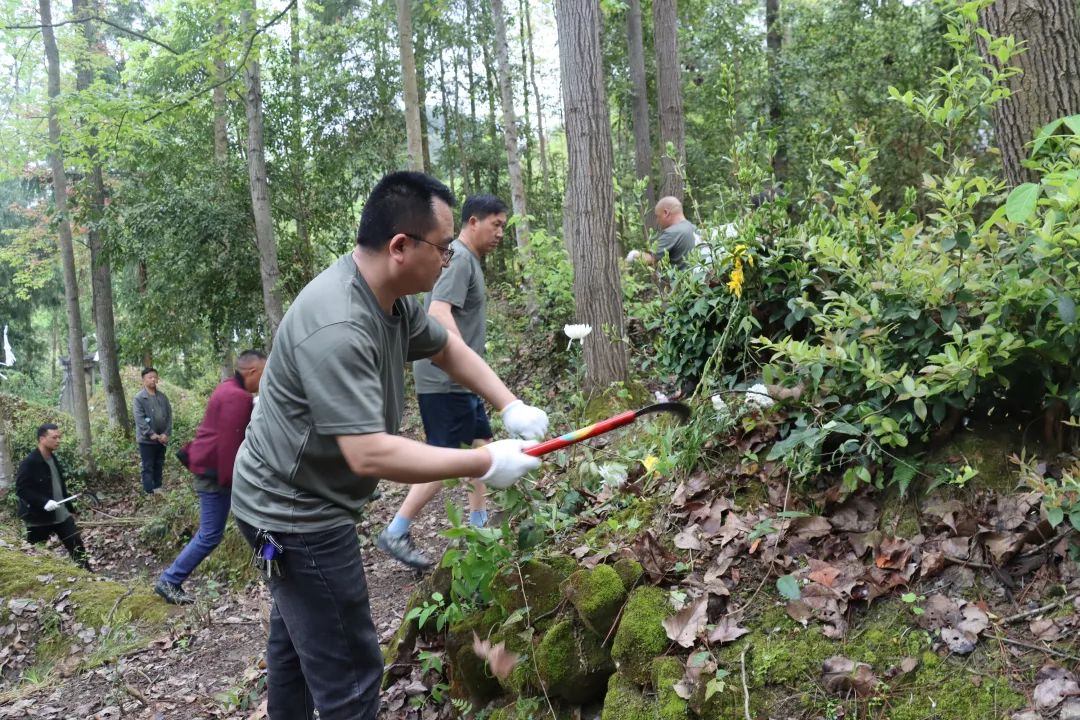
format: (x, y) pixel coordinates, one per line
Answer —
(153, 461)
(213, 512)
(323, 651)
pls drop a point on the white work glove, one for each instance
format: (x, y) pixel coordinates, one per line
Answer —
(508, 462)
(633, 255)
(51, 505)
(525, 420)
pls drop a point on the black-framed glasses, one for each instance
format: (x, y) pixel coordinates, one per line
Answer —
(447, 252)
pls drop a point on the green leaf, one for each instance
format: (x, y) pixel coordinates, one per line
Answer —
(1022, 201)
(788, 587)
(1055, 515)
(1044, 134)
(1074, 519)
(1073, 122)
(1066, 308)
(920, 408)
(948, 316)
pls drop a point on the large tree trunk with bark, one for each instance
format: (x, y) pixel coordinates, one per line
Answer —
(510, 137)
(67, 251)
(413, 130)
(669, 92)
(260, 196)
(101, 268)
(639, 98)
(1049, 87)
(589, 214)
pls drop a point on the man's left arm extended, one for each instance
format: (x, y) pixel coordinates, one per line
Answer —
(467, 368)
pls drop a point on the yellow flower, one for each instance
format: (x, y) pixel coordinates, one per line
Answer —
(650, 463)
(736, 282)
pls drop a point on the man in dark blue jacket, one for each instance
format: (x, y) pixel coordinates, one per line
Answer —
(41, 489)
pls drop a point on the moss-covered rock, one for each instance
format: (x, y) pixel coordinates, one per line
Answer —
(629, 571)
(625, 701)
(540, 590)
(572, 663)
(523, 679)
(562, 564)
(598, 596)
(986, 449)
(528, 709)
(641, 636)
(399, 650)
(666, 672)
(470, 678)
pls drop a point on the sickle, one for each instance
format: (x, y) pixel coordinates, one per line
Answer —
(682, 412)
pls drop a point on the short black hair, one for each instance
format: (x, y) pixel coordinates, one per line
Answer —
(251, 354)
(44, 429)
(481, 206)
(400, 203)
(147, 370)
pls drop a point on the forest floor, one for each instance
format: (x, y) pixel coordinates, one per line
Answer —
(206, 662)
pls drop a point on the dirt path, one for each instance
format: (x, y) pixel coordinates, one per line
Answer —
(207, 665)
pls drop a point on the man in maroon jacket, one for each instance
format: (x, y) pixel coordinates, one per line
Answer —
(210, 457)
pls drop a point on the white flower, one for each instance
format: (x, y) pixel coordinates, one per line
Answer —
(758, 396)
(576, 332)
(720, 406)
(660, 397)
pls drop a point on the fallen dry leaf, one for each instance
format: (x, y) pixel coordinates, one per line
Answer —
(727, 630)
(959, 641)
(684, 626)
(654, 558)
(1046, 629)
(892, 553)
(842, 676)
(689, 538)
(499, 659)
(938, 612)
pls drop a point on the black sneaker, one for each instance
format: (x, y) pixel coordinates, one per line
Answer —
(403, 549)
(173, 594)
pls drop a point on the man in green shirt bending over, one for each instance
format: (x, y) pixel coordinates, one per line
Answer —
(324, 432)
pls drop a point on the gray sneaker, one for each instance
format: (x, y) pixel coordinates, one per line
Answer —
(403, 549)
(172, 594)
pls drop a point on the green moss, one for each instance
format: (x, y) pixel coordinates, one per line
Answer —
(564, 565)
(572, 663)
(541, 589)
(987, 450)
(614, 400)
(598, 596)
(528, 709)
(630, 571)
(642, 511)
(666, 672)
(641, 635)
(624, 701)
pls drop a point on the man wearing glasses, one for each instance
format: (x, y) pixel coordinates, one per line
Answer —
(453, 416)
(325, 430)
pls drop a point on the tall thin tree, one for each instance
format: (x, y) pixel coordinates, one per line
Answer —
(100, 266)
(67, 251)
(639, 98)
(510, 136)
(774, 37)
(413, 129)
(545, 173)
(669, 92)
(589, 210)
(260, 190)
(1049, 87)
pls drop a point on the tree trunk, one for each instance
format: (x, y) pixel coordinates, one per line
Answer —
(526, 121)
(493, 130)
(669, 91)
(298, 159)
(545, 174)
(444, 100)
(7, 464)
(260, 194)
(459, 150)
(589, 214)
(221, 128)
(101, 268)
(408, 75)
(67, 251)
(1049, 87)
(773, 42)
(639, 97)
(517, 186)
(421, 94)
(141, 286)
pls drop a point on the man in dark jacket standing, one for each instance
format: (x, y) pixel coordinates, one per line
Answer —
(153, 426)
(210, 457)
(40, 487)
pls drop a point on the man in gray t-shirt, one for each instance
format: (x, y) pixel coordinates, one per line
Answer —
(677, 237)
(325, 430)
(453, 416)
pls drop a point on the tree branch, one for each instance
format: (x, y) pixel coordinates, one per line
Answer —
(98, 18)
(243, 61)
